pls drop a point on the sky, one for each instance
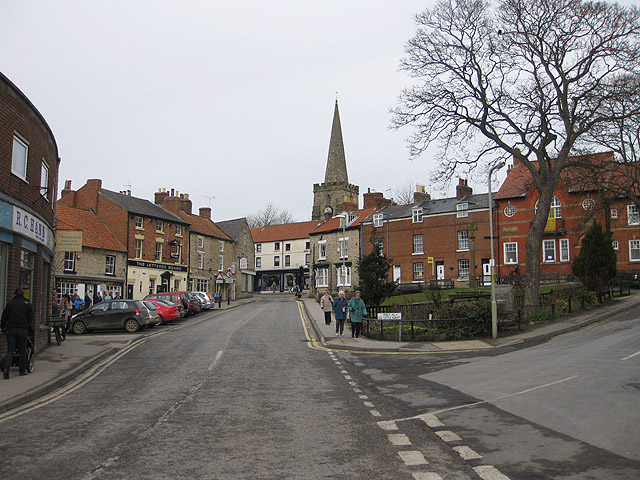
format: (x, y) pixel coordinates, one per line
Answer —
(230, 102)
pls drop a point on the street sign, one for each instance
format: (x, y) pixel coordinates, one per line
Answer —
(429, 259)
(219, 278)
(390, 316)
(229, 278)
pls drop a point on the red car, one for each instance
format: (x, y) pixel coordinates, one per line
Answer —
(166, 310)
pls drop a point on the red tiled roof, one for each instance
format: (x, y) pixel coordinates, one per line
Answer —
(334, 223)
(287, 231)
(205, 226)
(94, 233)
(519, 180)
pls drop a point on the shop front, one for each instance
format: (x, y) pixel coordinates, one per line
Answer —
(145, 278)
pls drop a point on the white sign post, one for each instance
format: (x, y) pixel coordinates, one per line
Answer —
(393, 316)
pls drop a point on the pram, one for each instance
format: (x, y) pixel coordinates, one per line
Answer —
(31, 364)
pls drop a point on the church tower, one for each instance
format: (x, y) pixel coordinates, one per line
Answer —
(336, 194)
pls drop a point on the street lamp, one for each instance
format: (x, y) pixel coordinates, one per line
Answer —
(494, 305)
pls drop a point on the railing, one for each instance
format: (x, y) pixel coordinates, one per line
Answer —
(434, 329)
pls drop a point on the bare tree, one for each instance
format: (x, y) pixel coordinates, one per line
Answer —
(528, 79)
(269, 215)
(403, 195)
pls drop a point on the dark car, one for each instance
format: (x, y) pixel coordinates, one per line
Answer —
(131, 315)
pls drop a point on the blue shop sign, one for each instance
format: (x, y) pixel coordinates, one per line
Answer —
(23, 222)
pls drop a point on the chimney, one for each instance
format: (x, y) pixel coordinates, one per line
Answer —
(205, 212)
(159, 196)
(376, 200)
(185, 203)
(463, 189)
(66, 189)
(420, 195)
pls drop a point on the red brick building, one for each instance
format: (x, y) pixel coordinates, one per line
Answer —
(573, 210)
(28, 182)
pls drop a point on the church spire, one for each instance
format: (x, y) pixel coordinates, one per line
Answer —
(336, 162)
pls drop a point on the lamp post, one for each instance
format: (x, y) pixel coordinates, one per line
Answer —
(494, 305)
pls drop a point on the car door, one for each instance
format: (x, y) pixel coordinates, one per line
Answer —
(118, 313)
(97, 316)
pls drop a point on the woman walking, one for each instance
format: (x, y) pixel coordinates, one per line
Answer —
(326, 303)
(340, 311)
(357, 311)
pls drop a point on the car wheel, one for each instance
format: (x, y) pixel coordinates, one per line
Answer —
(131, 325)
(78, 327)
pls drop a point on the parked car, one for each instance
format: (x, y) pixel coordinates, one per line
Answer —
(153, 313)
(187, 300)
(168, 311)
(131, 315)
(205, 299)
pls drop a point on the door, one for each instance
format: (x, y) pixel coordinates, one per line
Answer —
(397, 274)
(440, 270)
(486, 272)
(97, 316)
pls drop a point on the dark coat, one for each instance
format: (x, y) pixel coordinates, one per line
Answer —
(338, 305)
(17, 314)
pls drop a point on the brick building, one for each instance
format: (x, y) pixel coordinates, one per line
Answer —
(433, 239)
(89, 259)
(157, 240)
(28, 183)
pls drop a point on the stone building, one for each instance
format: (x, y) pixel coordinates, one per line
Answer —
(336, 194)
(89, 259)
(243, 250)
(28, 183)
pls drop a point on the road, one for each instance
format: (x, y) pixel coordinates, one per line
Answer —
(239, 394)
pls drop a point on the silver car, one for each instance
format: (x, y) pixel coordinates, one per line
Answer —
(205, 300)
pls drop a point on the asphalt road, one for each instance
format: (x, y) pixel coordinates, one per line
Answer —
(565, 409)
(237, 394)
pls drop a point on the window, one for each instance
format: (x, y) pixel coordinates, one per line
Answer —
(343, 276)
(509, 211)
(152, 285)
(556, 208)
(202, 285)
(220, 263)
(418, 271)
(548, 250)
(138, 251)
(322, 277)
(322, 250)
(615, 244)
(307, 258)
(158, 251)
(276, 246)
(110, 265)
(159, 226)
(139, 223)
(588, 203)
(307, 245)
(510, 252)
(200, 260)
(463, 268)
(379, 244)
(344, 247)
(276, 261)
(634, 250)
(287, 260)
(614, 213)
(564, 249)
(258, 247)
(179, 230)
(19, 158)
(221, 243)
(44, 180)
(258, 262)
(200, 242)
(287, 247)
(69, 261)
(418, 246)
(463, 240)
(416, 213)
(632, 215)
(377, 220)
(462, 211)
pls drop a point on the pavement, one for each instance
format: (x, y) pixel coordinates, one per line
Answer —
(58, 365)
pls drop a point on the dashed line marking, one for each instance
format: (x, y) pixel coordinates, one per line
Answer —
(467, 453)
(426, 476)
(375, 413)
(431, 420)
(488, 472)
(448, 436)
(413, 457)
(369, 404)
(399, 439)
(388, 425)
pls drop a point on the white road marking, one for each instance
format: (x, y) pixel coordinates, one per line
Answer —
(413, 457)
(630, 356)
(399, 439)
(348, 377)
(467, 453)
(375, 413)
(426, 476)
(369, 404)
(388, 425)
(488, 472)
(448, 436)
(363, 397)
(431, 420)
(215, 361)
(344, 372)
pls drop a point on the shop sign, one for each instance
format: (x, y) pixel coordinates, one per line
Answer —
(68, 241)
(31, 226)
(243, 263)
(161, 266)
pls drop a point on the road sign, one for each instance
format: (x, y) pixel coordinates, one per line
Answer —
(390, 316)
(219, 278)
(429, 259)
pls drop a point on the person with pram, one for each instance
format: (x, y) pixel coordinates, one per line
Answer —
(17, 325)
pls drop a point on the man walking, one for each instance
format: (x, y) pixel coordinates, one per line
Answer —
(17, 323)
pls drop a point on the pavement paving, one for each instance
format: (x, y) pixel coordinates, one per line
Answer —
(57, 365)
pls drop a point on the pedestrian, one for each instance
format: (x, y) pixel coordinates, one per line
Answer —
(67, 305)
(54, 304)
(17, 323)
(357, 311)
(326, 303)
(87, 300)
(97, 298)
(340, 311)
(118, 297)
(78, 303)
(107, 296)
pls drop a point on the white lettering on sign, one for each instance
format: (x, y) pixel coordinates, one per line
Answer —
(28, 225)
(390, 316)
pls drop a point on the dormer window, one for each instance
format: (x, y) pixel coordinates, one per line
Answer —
(462, 210)
(377, 220)
(416, 213)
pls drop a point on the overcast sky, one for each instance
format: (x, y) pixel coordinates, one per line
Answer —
(232, 100)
